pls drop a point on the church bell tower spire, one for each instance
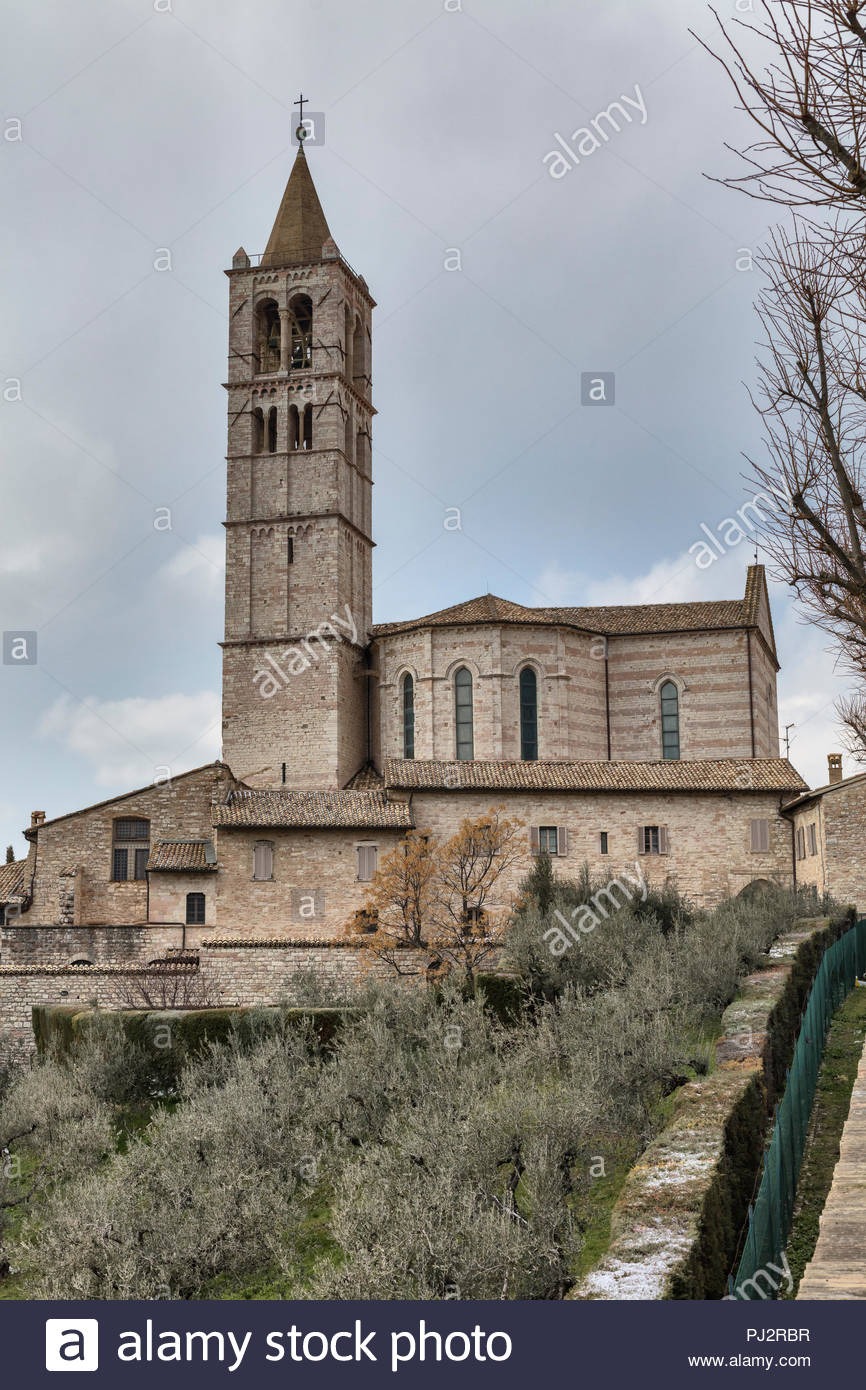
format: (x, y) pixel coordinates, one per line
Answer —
(299, 503)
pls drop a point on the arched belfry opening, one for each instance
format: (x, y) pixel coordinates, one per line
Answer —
(359, 357)
(293, 439)
(258, 431)
(301, 319)
(268, 337)
(272, 430)
(348, 437)
(308, 427)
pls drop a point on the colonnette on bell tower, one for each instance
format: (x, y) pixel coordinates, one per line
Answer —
(299, 503)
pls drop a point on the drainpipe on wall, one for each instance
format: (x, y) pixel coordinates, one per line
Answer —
(607, 695)
(368, 681)
(751, 693)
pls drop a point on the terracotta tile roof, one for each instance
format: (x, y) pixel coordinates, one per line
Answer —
(616, 621)
(717, 775)
(365, 779)
(815, 792)
(182, 856)
(346, 810)
(13, 880)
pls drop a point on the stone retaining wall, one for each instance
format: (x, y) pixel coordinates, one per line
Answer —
(677, 1220)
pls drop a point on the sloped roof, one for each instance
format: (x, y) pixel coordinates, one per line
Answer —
(365, 779)
(625, 620)
(828, 787)
(31, 831)
(704, 775)
(13, 880)
(345, 810)
(300, 230)
(182, 856)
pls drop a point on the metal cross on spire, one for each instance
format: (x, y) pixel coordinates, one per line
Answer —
(301, 131)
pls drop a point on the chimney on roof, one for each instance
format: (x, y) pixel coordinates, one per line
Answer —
(36, 818)
(834, 768)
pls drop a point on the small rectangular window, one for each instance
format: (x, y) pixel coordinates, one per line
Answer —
(367, 861)
(760, 836)
(263, 860)
(195, 909)
(548, 839)
(651, 839)
(602, 839)
(120, 865)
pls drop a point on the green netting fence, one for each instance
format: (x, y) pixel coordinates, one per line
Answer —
(759, 1274)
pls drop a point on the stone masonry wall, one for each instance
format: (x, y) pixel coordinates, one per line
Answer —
(709, 668)
(22, 986)
(709, 836)
(180, 809)
(839, 866)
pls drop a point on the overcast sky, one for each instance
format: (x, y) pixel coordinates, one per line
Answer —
(160, 130)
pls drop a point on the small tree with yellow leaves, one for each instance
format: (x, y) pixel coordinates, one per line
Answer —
(434, 896)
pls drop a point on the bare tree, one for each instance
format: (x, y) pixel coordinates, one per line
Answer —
(173, 985)
(798, 72)
(811, 396)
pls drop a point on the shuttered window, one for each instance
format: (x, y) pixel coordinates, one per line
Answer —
(463, 714)
(801, 843)
(652, 839)
(368, 856)
(760, 836)
(813, 839)
(670, 708)
(195, 909)
(263, 860)
(408, 717)
(528, 715)
(549, 839)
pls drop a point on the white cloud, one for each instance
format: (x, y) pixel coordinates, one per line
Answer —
(199, 566)
(129, 742)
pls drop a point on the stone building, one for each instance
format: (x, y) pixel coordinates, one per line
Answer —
(829, 827)
(614, 734)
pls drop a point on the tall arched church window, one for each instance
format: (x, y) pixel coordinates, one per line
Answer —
(463, 714)
(308, 427)
(408, 716)
(301, 311)
(670, 705)
(528, 715)
(272, 430)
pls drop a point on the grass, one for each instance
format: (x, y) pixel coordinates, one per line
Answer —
(832, 1101)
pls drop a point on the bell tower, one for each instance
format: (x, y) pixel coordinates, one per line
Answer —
(299, 504)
